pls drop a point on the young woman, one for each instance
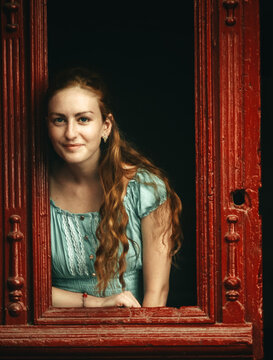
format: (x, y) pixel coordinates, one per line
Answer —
(114, 218)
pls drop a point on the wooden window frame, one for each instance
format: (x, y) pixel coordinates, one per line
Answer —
(228, 317)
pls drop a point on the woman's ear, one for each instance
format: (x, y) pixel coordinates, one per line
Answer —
(108, 124)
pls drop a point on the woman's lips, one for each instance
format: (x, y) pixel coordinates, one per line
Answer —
(72, 146)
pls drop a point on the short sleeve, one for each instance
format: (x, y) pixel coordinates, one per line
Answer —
(152, 192)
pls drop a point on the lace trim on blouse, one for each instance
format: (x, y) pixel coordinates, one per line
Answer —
(75, 248)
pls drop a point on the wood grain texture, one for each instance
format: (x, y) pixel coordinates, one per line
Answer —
(131, 341)
(14, 162)
(227, 321)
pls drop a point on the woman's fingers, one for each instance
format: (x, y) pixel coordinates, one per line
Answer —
(126, 299)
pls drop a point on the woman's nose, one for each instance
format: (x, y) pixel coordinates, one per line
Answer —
(71, 130)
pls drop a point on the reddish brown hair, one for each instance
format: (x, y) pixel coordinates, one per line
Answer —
(117, 153)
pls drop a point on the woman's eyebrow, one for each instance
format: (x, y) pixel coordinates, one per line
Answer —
(55, 113)
(84, 112)
(78, 114)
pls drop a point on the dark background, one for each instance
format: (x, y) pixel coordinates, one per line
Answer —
(146, 56)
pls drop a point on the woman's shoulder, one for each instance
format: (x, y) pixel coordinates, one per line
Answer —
(147, 177)
(140, 174)
(146, 191)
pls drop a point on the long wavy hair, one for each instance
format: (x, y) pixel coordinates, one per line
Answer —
(115, 154)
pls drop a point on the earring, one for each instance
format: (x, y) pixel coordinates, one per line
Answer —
(105, 137)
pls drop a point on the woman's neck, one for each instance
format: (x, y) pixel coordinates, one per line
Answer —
(75, 173)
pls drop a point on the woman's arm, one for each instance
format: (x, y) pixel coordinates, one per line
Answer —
(156, 232)
(64, 298)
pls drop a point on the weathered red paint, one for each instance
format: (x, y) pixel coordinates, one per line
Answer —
(227, 322)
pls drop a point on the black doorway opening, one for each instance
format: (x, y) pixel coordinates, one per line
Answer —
(146, 55)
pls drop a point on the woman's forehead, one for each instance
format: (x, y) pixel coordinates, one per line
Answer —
(74, 98)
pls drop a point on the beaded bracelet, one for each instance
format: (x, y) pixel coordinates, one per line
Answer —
(84, 296)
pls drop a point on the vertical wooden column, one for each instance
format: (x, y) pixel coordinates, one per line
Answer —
(252, 184)
(40, 204)
(13, 163)
(205, 157)
(239, 164)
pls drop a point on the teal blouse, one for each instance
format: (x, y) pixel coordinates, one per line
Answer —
(74, 242)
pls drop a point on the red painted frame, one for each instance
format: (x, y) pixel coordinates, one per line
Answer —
(228, 317)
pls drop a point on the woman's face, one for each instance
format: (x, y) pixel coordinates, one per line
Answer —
(75, 125)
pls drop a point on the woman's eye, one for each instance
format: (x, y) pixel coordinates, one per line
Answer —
(83, 120)
(58, 121)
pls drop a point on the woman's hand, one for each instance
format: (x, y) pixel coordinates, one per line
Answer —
(125, 298)
(64, 298)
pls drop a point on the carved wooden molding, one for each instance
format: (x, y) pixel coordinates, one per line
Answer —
(232, 282)
(15, 281)
(230, 6)
(40, 209)
(182, 342)
(228, 317)
(232, 165)
(239, 119)
(11, 8)
(204, 312)
(14, 162)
